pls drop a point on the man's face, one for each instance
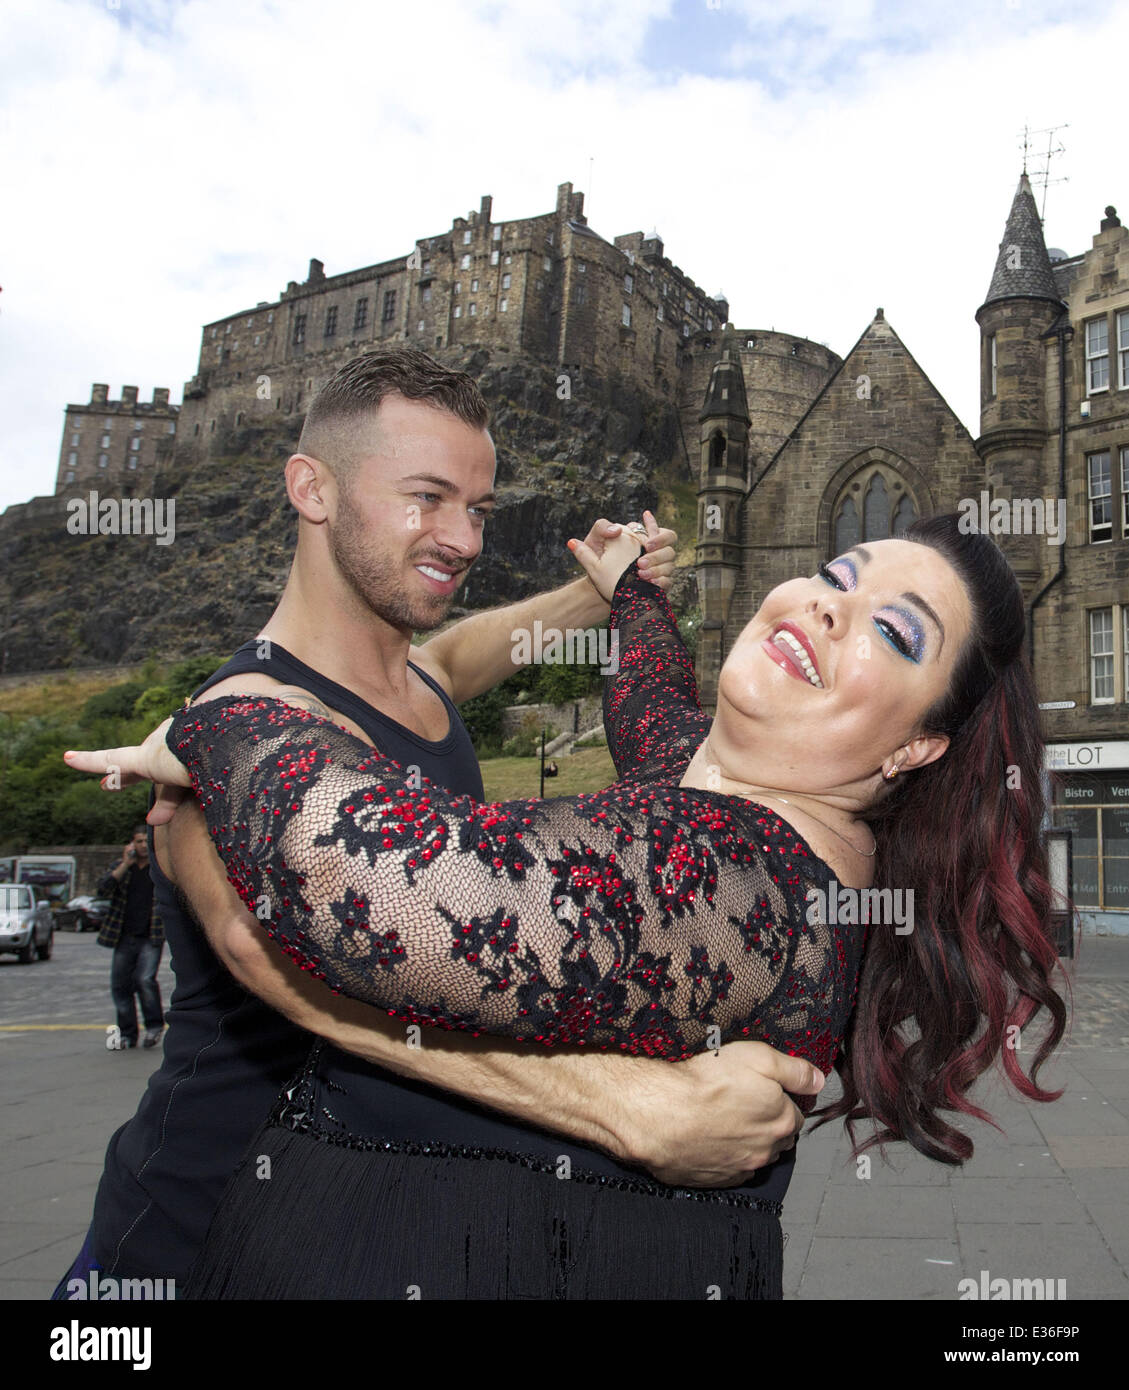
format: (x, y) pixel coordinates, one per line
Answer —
(409, 519)
(141, 845)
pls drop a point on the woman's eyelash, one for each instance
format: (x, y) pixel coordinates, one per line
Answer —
(893, 636)
(826, 573)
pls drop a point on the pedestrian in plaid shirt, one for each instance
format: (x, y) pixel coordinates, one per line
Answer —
(134, 930)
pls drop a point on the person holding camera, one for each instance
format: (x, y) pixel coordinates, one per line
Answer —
(134, 931)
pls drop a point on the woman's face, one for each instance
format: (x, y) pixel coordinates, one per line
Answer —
(834, 673)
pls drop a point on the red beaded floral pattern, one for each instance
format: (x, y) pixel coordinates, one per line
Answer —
(647, 918)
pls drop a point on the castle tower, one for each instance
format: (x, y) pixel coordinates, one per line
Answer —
(1022, 306)
(723, 480)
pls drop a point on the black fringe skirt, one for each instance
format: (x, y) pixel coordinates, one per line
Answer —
(308, 1217)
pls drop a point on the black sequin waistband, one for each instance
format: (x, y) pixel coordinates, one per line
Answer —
(295, 1118)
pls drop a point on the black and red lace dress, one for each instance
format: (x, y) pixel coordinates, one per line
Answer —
(648, 918)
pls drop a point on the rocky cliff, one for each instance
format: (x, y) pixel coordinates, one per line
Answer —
(76, 600)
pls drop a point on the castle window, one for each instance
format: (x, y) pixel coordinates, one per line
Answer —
(627, 316)
(685, 330)
(171, 427)
(102, 460)
(1101, 656)
(458, 287)
(299, 329)
(235, 345)
(992, 364)
(686, 304)
(70, 479)
(227, 329)
(507, 280)
(498, 233)
(847, 530)
(659, 313)
(750, 343)
(105, 441)
(134, 445)
(1123, 350)
(709, 324)
(196, 429)
(1097, 356)
(331, 322)
(213, 332)
(509, 259)
(547, 264)
(549, 238)
(504, 306)
(270, 317)
(420, 326)
(464, 263)
(466, 237)
(1101, 501)
(238, 418)
(493, 258)
(458, 311)
(582, 267)
(133, 464)
(138, 425)
(74, 441)
(474, 287)
(629, 284)
(425, 294)
(426, 267)
(360, 315)
(258, 339)
(1125, 493)
(72, 459)
(579, 294)
(473, 310)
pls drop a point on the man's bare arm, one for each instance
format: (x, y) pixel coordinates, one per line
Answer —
(707, 1122)
(477, 653)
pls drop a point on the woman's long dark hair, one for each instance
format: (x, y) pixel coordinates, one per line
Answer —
(936, 1007)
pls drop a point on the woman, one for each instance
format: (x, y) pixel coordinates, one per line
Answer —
(683, 907)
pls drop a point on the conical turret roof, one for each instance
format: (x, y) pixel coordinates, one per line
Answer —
(725, 394)
(1023, 268)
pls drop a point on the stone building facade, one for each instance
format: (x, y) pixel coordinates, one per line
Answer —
(547, 286)
(116, 444)
(1055, 425)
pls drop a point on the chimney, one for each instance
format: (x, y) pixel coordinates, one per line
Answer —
(317, 271)
(161, 397)
(485, 209)
(129, 395)
(99, 393)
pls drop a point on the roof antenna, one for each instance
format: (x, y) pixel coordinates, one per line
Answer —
(1042, 176)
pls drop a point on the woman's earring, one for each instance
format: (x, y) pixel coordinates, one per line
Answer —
(889, 776)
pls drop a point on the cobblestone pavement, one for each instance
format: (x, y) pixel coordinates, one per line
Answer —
(1045, 1199)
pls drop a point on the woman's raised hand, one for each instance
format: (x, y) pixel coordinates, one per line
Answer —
(150, 761)
(609, 548)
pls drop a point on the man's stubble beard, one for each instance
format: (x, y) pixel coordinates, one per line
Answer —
(376, 579)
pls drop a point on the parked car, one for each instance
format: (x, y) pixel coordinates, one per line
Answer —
(83, 913)
(27, 924)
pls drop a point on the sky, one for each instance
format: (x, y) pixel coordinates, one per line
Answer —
(168, 162)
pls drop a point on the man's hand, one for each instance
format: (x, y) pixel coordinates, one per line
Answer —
(604, 554)
(714, 1120)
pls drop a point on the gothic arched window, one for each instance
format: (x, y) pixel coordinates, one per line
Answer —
(847, 527)
(717, 450)
(873, 505)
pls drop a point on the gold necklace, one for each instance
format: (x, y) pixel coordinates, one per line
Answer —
(865, 854)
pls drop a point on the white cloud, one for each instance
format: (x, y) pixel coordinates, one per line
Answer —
(172, 164)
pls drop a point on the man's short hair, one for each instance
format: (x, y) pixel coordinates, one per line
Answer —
(139, 829)
(334, 424)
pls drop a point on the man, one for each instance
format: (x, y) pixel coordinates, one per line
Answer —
(134, 930)
(392, 482)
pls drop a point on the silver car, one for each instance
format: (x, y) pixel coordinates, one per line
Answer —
(27, 924)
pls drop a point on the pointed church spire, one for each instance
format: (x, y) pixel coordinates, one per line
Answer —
(725, 394)
(1023, 268)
